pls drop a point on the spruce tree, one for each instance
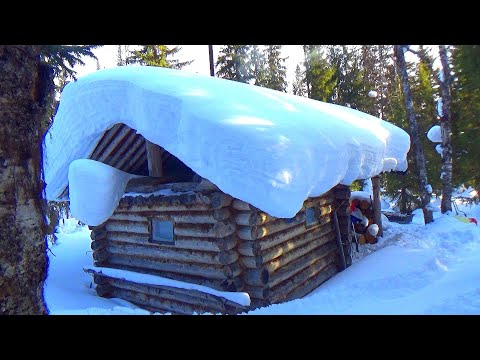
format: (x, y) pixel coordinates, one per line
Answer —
(424, 94)
(61, 59)
(417, 147)
(276, 70)
(299, 87)
(123, 53)
(157, 55)
(446, 126)
(444, 80)
(466, 112)
(319, 73)
(65, 57)
(257, 65)
(233, 63)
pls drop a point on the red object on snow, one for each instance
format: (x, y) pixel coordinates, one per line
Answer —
(473, 220)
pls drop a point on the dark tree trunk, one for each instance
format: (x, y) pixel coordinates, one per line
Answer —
(403, 201)
(210, 57)
(417, 147)
(446, 125)
(377, 205)
(23, 258)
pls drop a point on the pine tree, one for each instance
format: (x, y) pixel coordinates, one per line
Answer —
(446, 126)
(62, 59)
(444, 80)
(276, 71)
(157, 55)
(257, 64)
(123, 52)
(350, 87)
(120, 61)
(233, 63)
(466, 112)
(65, 57)
(299, 87)
(320, 74)
(417, 147)
(400, 186)
(424, 94)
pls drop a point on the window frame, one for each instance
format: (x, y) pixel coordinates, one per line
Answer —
(162, 241)
(315, 216)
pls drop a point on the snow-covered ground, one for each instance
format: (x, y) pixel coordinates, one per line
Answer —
(413, 269)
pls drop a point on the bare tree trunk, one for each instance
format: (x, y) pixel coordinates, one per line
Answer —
(382, 82)
(403, 201)
(23, 258)
(306, 53)
(446, 126)
(418, 153)
(377, 205)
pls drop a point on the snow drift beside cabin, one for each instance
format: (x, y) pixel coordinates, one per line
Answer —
(265, 147)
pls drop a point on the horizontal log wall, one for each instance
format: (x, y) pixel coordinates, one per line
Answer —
(284, 258)
(225, 244)
(204, 249)
(165, 298)
(342, 203)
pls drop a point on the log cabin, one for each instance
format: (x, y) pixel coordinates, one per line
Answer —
(174, 223)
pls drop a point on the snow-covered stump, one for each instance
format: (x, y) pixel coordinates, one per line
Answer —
(284, 258)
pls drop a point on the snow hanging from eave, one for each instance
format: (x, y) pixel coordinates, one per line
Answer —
(265, 147)
(95, 190)
(435, 134)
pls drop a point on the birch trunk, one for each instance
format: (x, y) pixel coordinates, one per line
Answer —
(23, 258)
(446, 126)
(417, 147)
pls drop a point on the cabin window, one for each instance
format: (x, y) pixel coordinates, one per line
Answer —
(310, 216)
(162, 231)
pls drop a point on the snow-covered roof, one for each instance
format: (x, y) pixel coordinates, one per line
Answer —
(265, 147)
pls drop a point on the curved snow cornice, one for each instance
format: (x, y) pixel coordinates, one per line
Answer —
(265, 147)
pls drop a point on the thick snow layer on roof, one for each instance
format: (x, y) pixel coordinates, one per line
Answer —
(265, 147)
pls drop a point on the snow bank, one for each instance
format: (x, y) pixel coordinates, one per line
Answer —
(68, 226)
(435, 134)
(465, 192)
(415, 269)
(237, 297)
(265, 147)
(95, 190)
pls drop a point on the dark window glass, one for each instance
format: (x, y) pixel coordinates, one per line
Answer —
(310, 216)
(162, 231)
